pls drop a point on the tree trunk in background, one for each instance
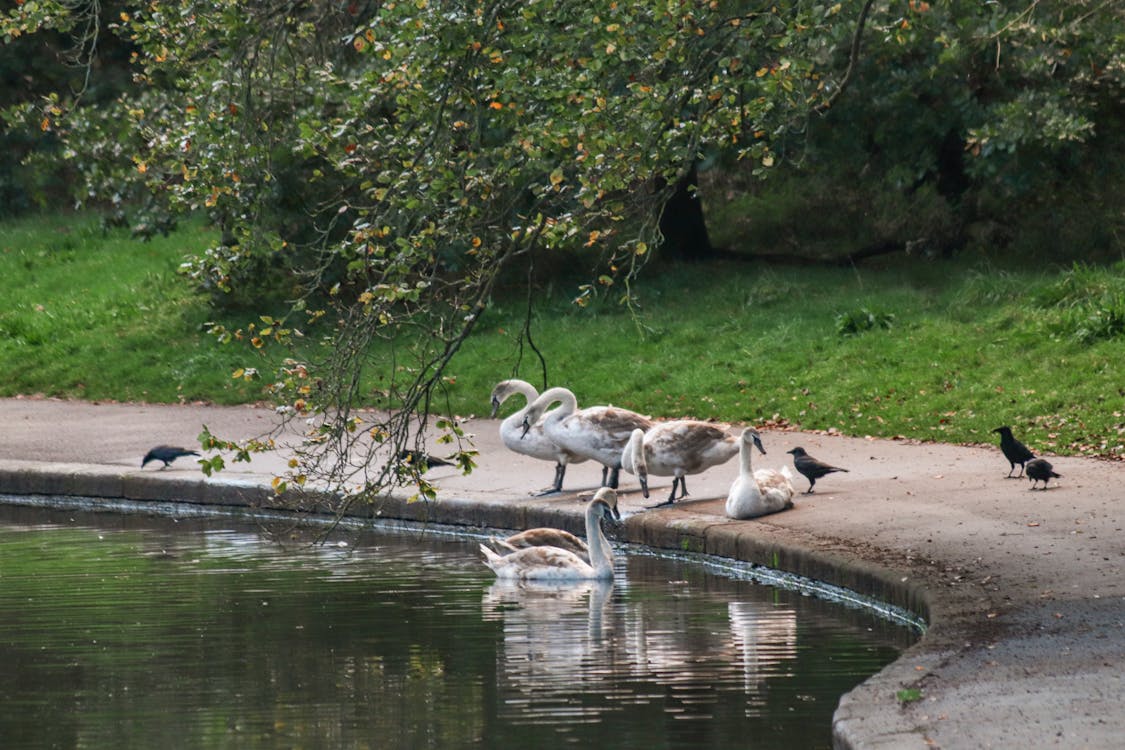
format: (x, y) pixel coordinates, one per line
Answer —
(952, 182)
(682, 223)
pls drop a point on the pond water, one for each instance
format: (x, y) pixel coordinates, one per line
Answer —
(140, 632)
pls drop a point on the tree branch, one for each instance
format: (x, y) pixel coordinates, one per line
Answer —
(853, 59)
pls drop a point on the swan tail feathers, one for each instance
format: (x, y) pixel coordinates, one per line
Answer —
(503, 546)
(491, 558)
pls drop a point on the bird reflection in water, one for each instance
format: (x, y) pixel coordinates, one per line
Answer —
(574, 649)
(555, 636)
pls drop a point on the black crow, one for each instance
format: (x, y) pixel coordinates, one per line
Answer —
(1040, 469)
(810, 467)
(167, 454)
(420, 460)
(1015, 451)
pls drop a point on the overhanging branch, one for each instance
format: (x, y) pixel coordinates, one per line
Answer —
(853, 60)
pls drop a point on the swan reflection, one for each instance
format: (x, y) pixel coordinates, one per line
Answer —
(765, 636)
(581, 649)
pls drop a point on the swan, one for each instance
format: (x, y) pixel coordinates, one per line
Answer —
(547, 536)
(554, 563)
(534, 442)
(542, 537)
(596, 432)
(677, 448)
(757, 493)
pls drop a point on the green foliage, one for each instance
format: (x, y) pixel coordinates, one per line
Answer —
(991, 128)
(373, 169)
(1085, 305)
(909, 695)
(853, 322)
(378, 166)
(1097, 323)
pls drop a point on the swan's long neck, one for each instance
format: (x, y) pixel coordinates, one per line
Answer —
(745, 456)
(601, 554)
(525, 389)
(633, 457)
(567, 403)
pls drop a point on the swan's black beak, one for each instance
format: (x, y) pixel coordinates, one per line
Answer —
(643, 479)
(526, 427)
(758, 442)
(495, 408)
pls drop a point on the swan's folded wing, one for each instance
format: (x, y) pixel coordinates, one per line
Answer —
(545, 557)
(613, 426)
(546, 537)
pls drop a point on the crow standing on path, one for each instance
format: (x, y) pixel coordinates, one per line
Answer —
(167, 454)
(1015, 451)
(1040, 469)
(810, 467)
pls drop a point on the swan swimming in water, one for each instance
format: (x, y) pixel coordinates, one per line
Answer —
(555, 563)
(676, 449)
(757, 493)
(532, 442)
(541, 537)
(547, 536)
(596, 432)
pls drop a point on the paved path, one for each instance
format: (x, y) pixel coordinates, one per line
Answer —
(1025, 590)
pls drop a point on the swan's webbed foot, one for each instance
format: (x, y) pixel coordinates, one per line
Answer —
(560, 472)
(672, 497)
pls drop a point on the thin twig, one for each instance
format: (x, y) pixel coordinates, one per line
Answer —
(853, 60)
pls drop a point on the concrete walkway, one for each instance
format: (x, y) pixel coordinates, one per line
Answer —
(1024, 591)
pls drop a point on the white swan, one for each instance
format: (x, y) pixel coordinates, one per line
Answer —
(546, 536)
(554, 563)
(757, 493)
(596, 432)
(676, 449)
(534, 442)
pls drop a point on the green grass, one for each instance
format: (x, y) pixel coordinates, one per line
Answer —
(932, 350)
(951, 352)
(102, 316)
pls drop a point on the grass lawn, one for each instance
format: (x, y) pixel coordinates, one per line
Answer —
(933, 350)
(927, 350)
(102, 316)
